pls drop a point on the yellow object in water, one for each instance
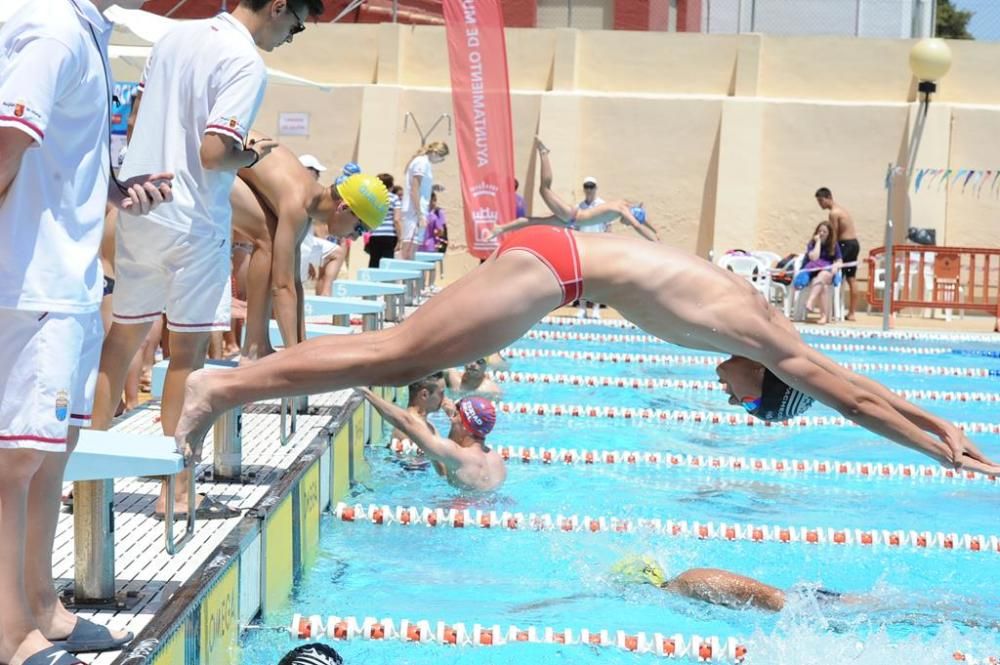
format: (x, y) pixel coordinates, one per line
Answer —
(367, 197)
(640, 570)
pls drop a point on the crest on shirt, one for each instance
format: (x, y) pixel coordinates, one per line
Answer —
(62, 405)
(233, 122)
(18, 110)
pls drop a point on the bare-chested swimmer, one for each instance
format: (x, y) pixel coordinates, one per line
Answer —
(272, 204)
(462, 457)
(669, 293)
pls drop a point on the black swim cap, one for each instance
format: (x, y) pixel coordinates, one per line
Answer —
(779, 401)
(316, 653)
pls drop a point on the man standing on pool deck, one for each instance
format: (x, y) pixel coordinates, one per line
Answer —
(462, 457)
(669, 293)
(847, 237)
(203, 84)
(275, 204)
(55, 166)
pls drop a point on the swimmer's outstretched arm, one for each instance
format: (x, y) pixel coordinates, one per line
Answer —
(868, 403)
(416, 429)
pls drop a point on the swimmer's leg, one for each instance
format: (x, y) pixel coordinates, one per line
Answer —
(558, 207)
(452, 328)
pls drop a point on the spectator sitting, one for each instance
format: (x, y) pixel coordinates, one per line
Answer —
(821, 269)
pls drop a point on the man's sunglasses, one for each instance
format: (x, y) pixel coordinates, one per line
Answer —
(299, 26)
(590, 186)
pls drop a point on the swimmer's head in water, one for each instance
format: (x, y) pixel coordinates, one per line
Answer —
(477, 415)
(760, 391)
(312, 654)
(639, 570)
(476, 367)
(365, 198)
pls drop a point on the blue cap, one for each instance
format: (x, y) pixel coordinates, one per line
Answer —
(639, 213)
(351, 168)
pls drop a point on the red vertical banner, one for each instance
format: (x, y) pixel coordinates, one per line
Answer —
(480, 95)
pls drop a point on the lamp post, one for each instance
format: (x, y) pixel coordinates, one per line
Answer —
(930, 60)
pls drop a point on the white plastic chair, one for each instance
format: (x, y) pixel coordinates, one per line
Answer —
(798, 297)
(750, 268)
(769, 259)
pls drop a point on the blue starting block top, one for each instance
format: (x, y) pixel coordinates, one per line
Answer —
(325, 306)
(160, 373)
(360, 289)
(103, 455)
(402, 264)
(385, 275)
(429, 257)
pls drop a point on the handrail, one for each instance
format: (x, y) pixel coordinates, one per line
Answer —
(930, 276)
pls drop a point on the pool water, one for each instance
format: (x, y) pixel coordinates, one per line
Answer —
(916, 605)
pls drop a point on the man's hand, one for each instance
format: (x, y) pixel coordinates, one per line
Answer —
(262, 147)
(144, 193)
(965, 454)
(365, 392)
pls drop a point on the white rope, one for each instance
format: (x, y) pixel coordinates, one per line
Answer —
(890, 540)
(707, 386)
(827, 469)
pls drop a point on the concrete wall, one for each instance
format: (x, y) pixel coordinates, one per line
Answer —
(724, 137)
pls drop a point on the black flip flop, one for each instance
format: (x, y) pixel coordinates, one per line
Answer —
(54, 655)
(208, 509)
(90, 637)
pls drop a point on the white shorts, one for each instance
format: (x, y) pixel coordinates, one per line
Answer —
(48, 370)
(413, 229)
(158, 269)
(315, 251)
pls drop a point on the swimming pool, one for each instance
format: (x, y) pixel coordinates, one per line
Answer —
(748, 499)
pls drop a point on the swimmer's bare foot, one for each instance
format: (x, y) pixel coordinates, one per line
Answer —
(542, 149)
(822, 321)
(850, 317)
(197, 416)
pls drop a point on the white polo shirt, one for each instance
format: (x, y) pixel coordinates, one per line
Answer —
(202, 77)
(592, 228)
(53, 88)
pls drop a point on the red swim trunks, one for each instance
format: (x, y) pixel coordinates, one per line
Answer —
(556, 248)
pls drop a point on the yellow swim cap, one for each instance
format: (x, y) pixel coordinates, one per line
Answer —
(640, 570)
(367, 197)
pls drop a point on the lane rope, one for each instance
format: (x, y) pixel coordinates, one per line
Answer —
(703, 385)
(694, 647)
(616, 338)
(695, 360)
(818, 331)
(716, 463)
(733, 418)
(892, 540)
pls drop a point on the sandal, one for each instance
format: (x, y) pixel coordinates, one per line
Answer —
(90, 637)
(54, 655)
(208, 509)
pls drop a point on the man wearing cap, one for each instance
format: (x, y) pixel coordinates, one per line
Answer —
(273, 204)
(590, 200)
(462, 457)
(202, 86)
(321, 257)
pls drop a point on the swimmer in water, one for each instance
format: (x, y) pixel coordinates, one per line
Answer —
(473, 381)
(462, 458)
(710, 585)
